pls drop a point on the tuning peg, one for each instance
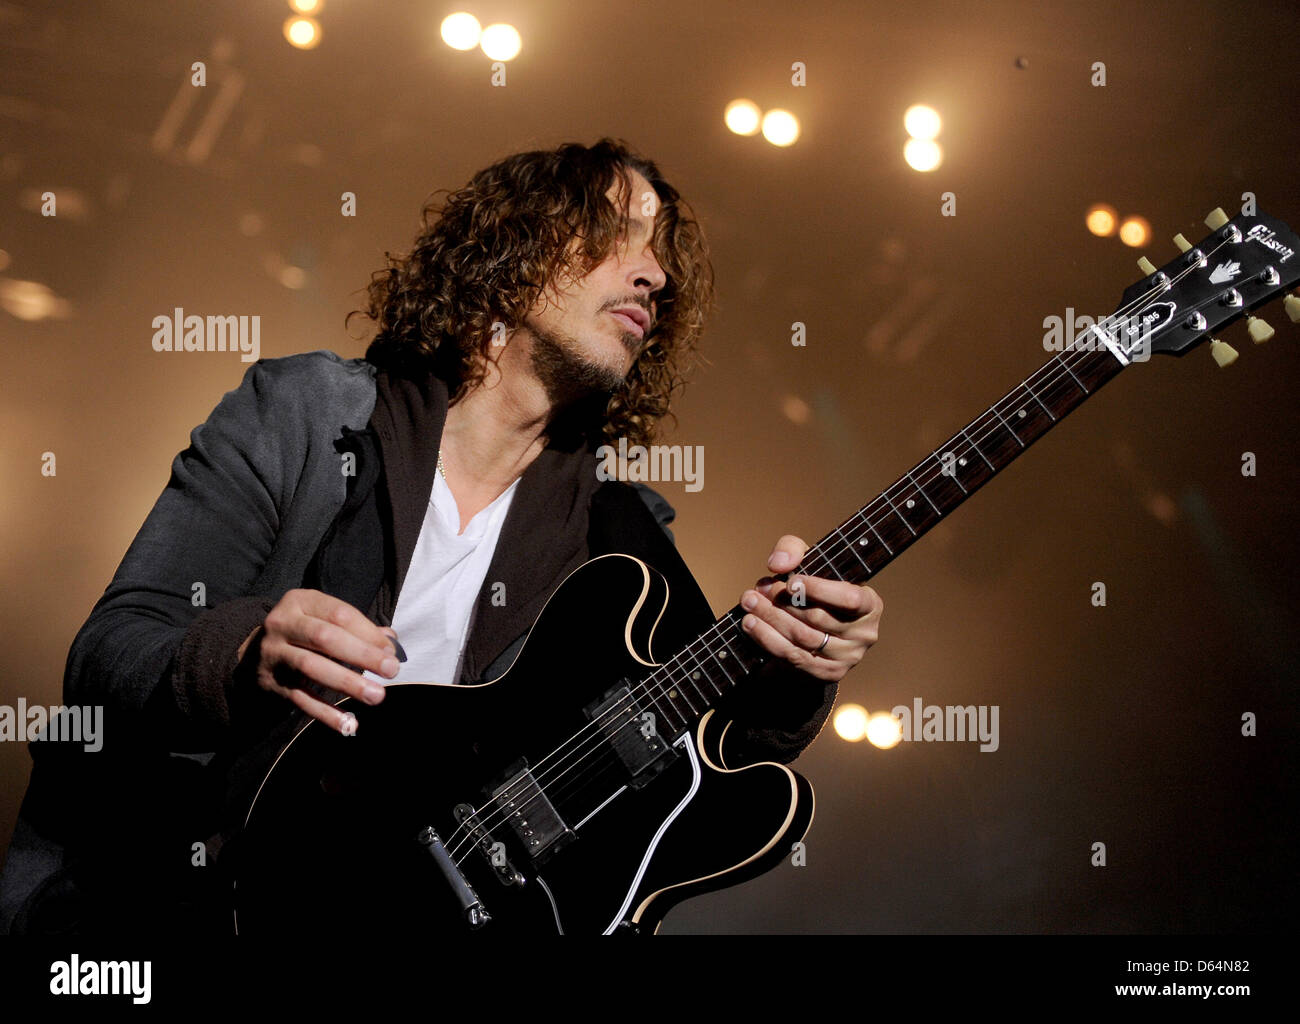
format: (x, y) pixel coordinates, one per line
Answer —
(1182, 243)
(1292, 306)
(1146, 266)
(1224, 355)
(1260, 331)
(1216, 219)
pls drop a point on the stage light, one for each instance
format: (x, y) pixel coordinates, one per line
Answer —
(501, 42)
(307, 6)
(1135, 231)
(1102, 219)
(922, 122)
(922, 154)
(461, 31)
(304, 33)
(851, 722)
(884, 730)
(743, 117)
(796, 410)
(780, 127)
(32, 301)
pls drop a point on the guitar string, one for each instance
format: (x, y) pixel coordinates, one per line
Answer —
(645, 687)
(552, 775)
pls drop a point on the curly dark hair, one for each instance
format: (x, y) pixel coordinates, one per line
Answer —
(487, 253)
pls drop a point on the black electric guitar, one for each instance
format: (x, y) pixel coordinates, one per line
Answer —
(584, 791)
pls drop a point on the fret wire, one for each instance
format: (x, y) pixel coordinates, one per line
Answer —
(1062, 361)
(699, 667)
(977, 450)
(721, 664)
(685, 696)
(831, 566)
(994, 408)
(1025, 385)
(703, 649)
(867, 519)
(922, 493)
(853, 547)
(955, 478)
(885, 494)
(667, 685)
(682, 689)
(844, 541)
(723, 634)
(654, 703)
(805, 565)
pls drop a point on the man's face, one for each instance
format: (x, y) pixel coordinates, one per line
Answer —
(581, 340)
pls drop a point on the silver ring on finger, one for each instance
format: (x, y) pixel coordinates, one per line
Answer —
(825, 640)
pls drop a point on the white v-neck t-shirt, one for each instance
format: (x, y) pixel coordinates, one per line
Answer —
(442, 586)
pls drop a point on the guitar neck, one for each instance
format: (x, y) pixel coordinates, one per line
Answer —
(684, 688)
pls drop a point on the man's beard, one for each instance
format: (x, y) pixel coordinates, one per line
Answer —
(566, 374)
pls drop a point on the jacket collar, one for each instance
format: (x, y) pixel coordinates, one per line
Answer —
(543, 538)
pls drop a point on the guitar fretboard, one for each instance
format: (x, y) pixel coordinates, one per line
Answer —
(682, 689)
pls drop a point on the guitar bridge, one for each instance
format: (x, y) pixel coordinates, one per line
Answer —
(532, 816)
(493, 852)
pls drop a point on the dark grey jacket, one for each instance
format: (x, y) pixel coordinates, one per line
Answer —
(258, 505)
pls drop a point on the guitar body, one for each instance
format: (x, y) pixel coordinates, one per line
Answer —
(547, 817)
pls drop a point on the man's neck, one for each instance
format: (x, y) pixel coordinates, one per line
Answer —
(495, 430)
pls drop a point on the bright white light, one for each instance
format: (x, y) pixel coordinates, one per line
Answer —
(922, 154)
(743, 117)
(851, 722)
(1101, 220)
(780, 127)
(501, 42)
(307, 6)
(922, 122)
(1135, 231)
(884, 730)
(303, 33)
(461, 31)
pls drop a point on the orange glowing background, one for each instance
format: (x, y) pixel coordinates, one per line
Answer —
(1119, 724)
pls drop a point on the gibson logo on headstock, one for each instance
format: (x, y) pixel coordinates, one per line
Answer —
(1265, 237)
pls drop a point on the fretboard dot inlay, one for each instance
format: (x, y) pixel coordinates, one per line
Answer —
(695, 675)
(721, 655)
(1021, 414)
(911, 503)
(961, 462)
(672, 694)
(862, 542)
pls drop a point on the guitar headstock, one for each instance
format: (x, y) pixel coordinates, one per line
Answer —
(1242, 264)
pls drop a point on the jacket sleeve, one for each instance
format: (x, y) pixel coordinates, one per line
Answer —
(162, 640)
(776, 714)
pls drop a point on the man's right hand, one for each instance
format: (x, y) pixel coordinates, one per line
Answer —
(303, 640)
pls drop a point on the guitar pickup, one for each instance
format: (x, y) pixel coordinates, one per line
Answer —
(633, 735)
(531, 815)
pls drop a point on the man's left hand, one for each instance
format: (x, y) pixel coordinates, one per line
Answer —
(820, 626)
